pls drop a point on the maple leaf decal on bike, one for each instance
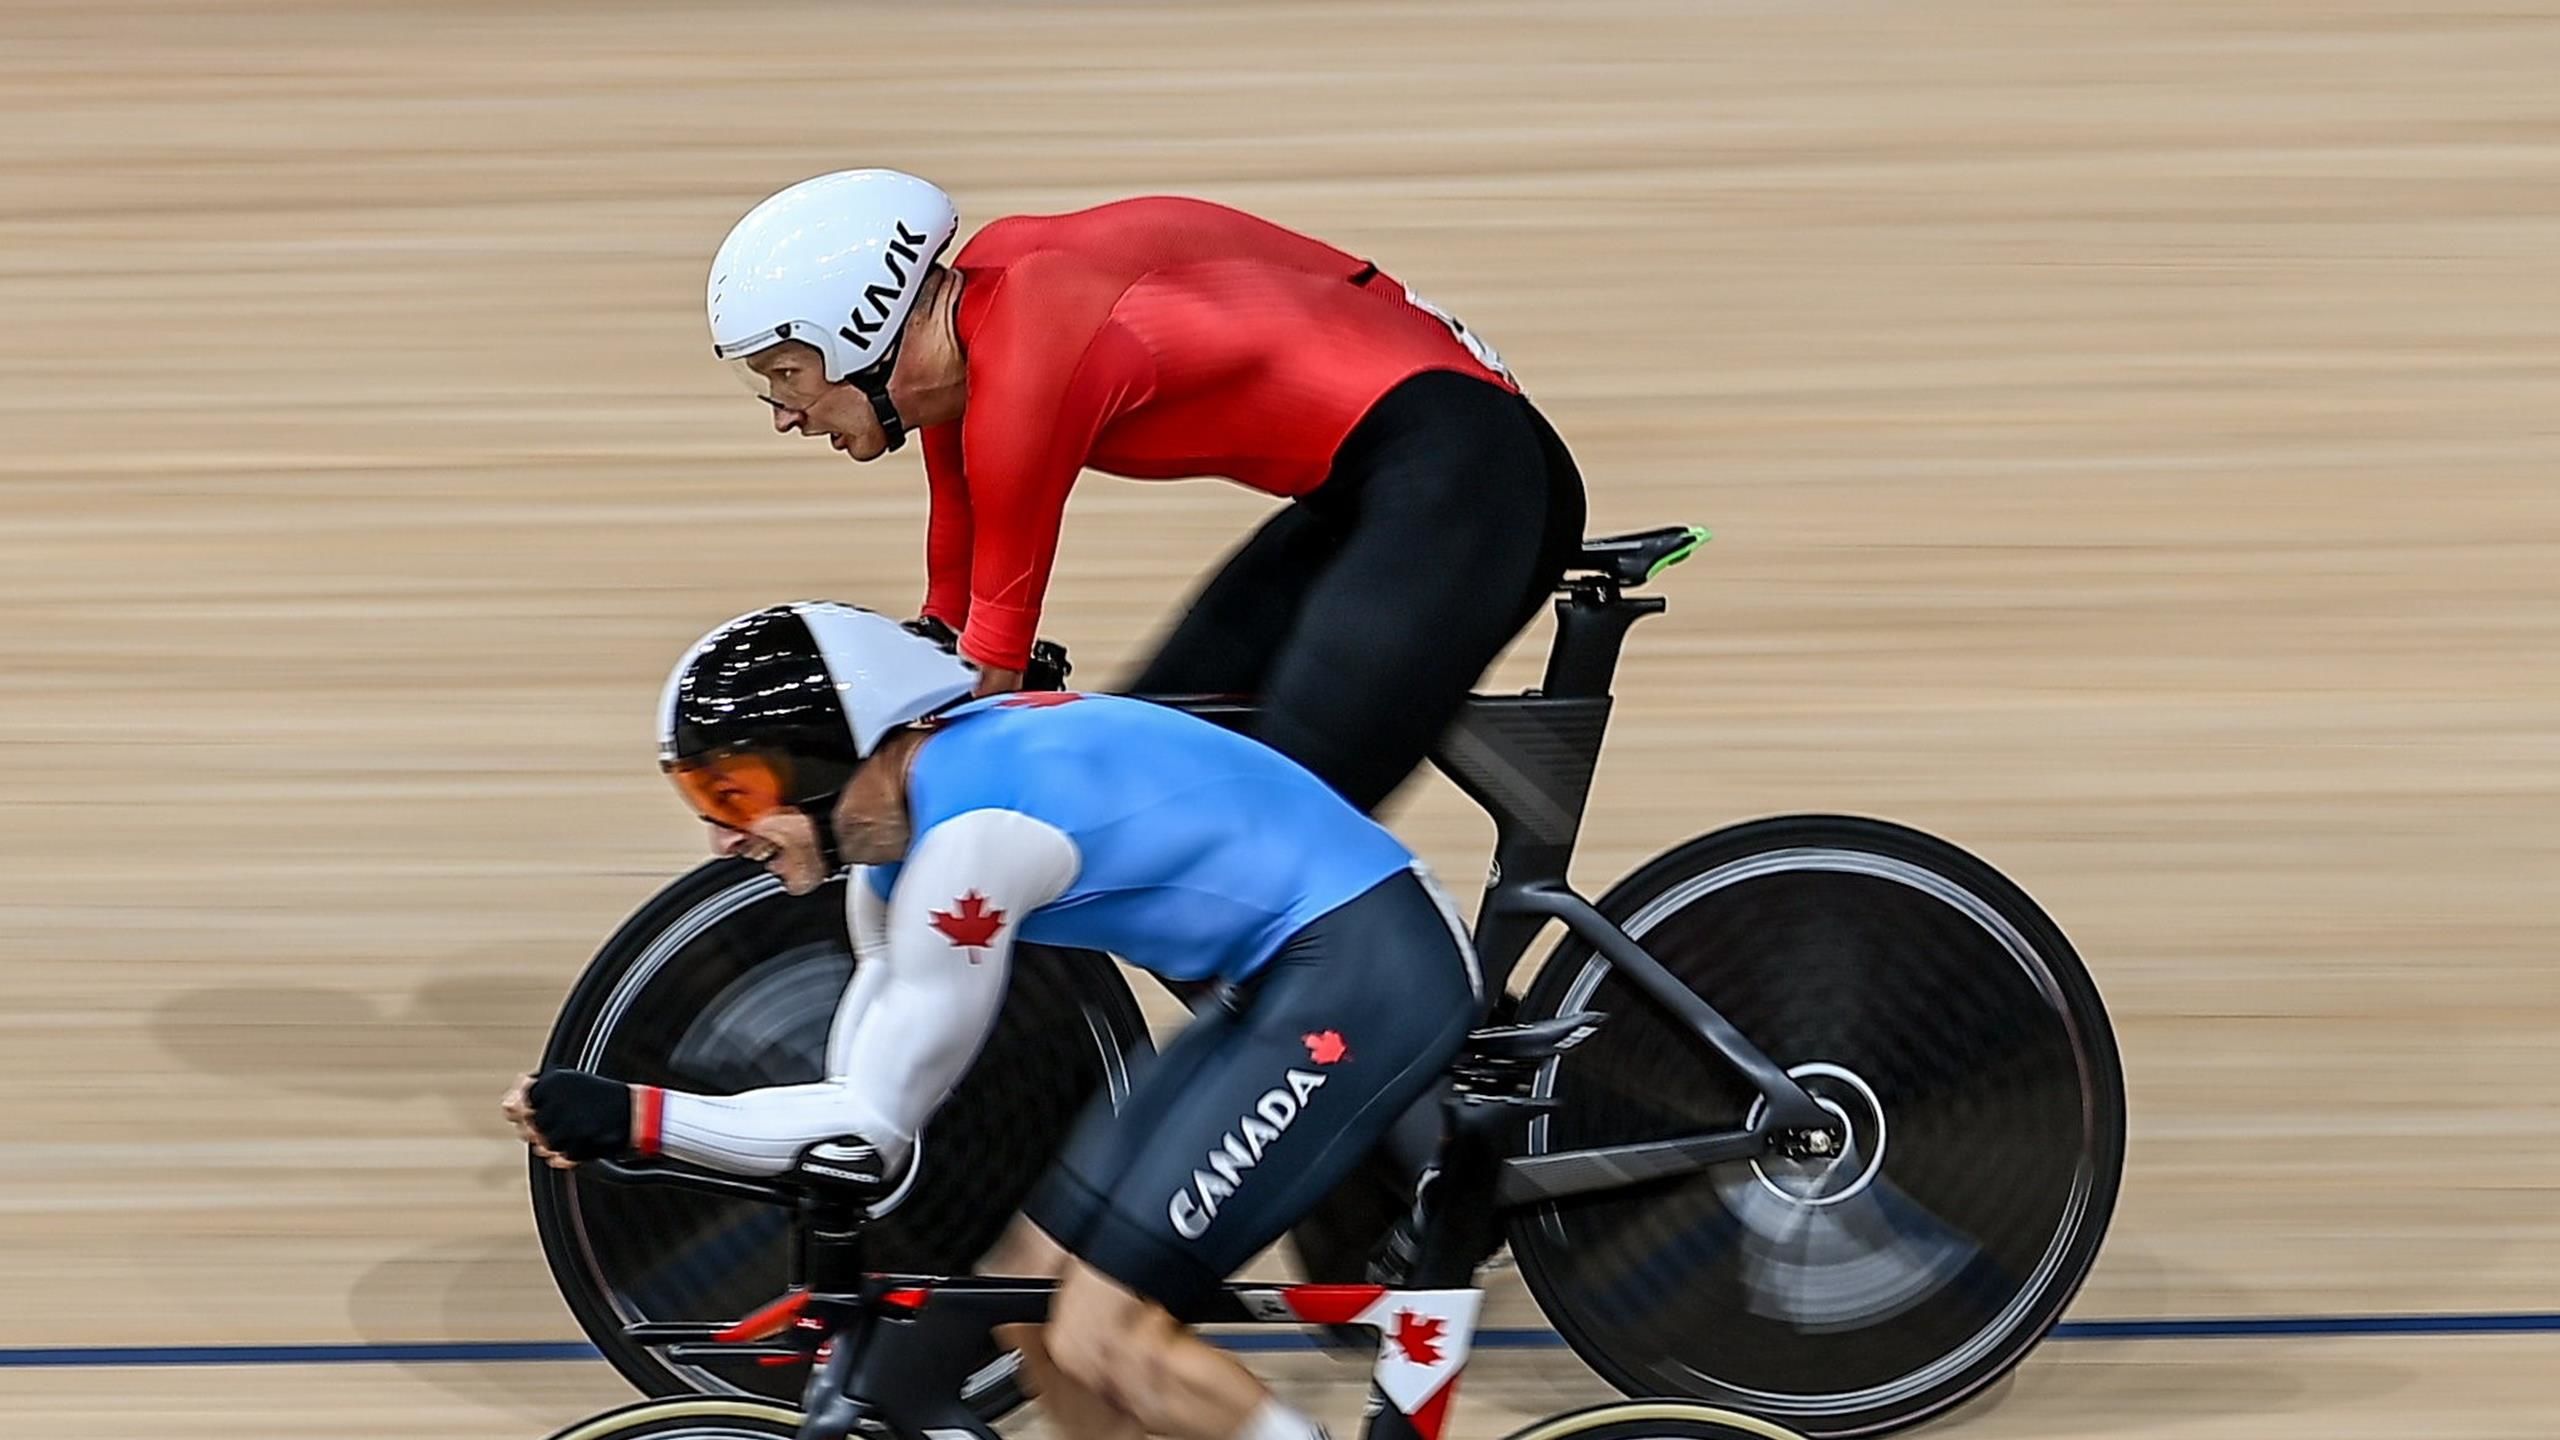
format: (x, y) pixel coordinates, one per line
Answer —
(968, 924)
(1037, 699)
(1418, 1336)
(1325, 1046)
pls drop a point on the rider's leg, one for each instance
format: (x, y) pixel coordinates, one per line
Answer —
(1224, 641)
(1249, 1118)
(1069, 1203)
(1226, 637)
(1188, 1387)
(1139, 1362)
(1074, 1407)
(1362, 615)
(1025, 1251)
(1465, 509)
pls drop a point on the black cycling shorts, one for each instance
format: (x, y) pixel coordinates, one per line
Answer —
(1361, 613)
(1266, 1101)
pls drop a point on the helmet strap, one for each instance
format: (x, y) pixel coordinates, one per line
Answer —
(823, 819)
(819, 803)
(873, 381)
(892, 424)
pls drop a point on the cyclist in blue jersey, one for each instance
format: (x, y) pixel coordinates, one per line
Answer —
(816, 736)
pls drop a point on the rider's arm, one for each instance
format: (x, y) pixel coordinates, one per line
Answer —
(950, 528)
(867, 920)
(916, 1013)
(1048, 369)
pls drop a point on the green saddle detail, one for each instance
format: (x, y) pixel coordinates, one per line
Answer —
(1698, 535)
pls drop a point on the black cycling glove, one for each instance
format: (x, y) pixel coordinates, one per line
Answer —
(581, 1116)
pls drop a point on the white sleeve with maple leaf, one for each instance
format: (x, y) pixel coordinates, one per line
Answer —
(934, 958)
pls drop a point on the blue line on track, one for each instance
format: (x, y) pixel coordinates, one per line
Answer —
(421, 1353)
(448, 1352)
(2254, 1326)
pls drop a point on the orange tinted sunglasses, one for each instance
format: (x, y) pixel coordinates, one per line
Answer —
(734, 790)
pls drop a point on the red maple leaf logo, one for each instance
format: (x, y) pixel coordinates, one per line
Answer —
(1037, 699)
(1325, 1046)
(1418, 1336)
(968, 923)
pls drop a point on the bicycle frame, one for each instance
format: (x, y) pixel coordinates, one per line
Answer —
(1528, 759)
(894, 1352)
(906, 1365)
(897, 1349)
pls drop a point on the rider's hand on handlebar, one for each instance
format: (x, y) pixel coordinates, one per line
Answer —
(932, 629)
(518, 1109)
(1048, 669)
(569, 1115)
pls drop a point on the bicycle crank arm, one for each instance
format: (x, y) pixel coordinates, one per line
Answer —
(1529, 1179)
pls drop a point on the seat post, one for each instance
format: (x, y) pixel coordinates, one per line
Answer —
(1592, 619)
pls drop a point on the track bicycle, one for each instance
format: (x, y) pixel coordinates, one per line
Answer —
(1844, 1149)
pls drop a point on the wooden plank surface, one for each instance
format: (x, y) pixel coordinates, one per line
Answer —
(2130, 431)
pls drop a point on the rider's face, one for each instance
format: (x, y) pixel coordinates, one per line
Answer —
(785, 843)
(804, 401)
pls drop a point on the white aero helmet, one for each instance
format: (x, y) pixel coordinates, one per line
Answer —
(834, 262)
(779, 706)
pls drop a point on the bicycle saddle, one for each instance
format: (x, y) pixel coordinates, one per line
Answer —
(1635, 558)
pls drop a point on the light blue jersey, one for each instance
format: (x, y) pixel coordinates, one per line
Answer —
(1196, 853)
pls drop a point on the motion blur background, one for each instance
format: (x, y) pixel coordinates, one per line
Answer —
(2130, 431)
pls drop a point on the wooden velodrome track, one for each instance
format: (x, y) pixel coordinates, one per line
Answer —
(2131, 431)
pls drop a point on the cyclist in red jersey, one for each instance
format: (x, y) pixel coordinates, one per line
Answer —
(1433, 507)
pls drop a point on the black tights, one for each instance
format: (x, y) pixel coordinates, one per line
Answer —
(1362, 614)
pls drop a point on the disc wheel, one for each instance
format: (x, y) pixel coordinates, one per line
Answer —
(1653, 1420)
(691, 1417)
(1932, 1007)
(723, 983)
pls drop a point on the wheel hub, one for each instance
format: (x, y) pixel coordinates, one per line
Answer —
(1807, 1175)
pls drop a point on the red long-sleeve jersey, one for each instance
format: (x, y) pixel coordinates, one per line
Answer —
(1154, 338)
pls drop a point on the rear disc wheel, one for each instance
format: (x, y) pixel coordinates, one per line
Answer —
(1928, 1004)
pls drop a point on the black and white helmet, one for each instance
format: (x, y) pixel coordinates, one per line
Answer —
(778, 706)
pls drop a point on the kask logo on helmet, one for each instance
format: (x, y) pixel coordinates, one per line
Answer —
(905, 250)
